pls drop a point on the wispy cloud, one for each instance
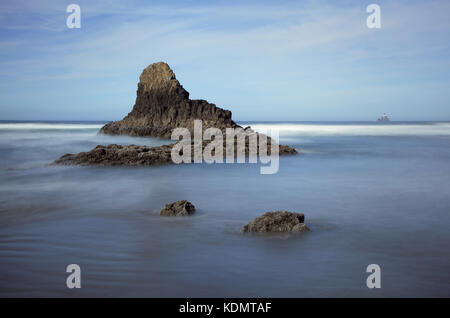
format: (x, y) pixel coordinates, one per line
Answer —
(263, 46)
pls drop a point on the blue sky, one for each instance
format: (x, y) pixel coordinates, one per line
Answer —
(263, 60)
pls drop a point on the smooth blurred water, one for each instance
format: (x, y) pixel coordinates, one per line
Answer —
(371, 194)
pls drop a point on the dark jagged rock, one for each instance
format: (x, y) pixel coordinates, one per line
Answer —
(132, 155)
(112, 155)
(278, 221)
(162, 104)
(178, 208)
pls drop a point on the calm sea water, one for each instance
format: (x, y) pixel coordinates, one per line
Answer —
(372, 194)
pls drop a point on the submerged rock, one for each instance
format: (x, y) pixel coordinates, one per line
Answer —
(178, 208)
(278, 221)
(132, 155)
(113, 155)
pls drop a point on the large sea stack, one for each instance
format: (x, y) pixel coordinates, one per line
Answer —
(162, 104)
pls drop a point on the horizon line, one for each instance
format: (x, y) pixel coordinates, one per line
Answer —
(237, 121)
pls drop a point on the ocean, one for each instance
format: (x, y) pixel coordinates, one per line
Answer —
(371, 194)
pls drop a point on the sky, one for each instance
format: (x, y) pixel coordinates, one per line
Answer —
(263, 60)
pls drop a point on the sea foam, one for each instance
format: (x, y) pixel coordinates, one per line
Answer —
(311, 129)
(47, 126)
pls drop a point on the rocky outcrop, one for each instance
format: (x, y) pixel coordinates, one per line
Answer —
(113, 155)
(162, 104)
(178, 208)
(278, 221)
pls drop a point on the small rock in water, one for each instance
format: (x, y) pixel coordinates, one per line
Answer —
(178, 208)
(278, 221)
